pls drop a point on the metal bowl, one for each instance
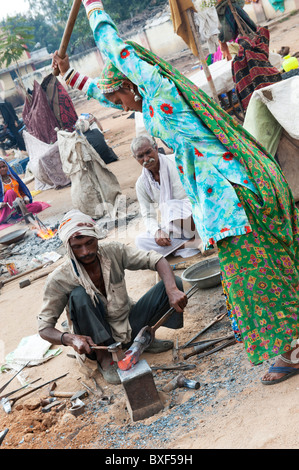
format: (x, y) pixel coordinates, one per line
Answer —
(204, 274)
(13, 237)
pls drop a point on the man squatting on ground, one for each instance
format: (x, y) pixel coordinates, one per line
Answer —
(160, 184)
(90, 284)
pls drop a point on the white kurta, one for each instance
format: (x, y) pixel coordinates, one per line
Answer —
(170, 200)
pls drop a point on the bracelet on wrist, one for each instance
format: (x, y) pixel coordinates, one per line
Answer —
(61, 338)
(67, 73)
(91, 6)
(69, 76)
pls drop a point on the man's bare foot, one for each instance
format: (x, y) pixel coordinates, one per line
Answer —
(288, 360)
(104, 358)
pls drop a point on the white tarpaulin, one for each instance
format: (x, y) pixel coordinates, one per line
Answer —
(221, 72)
(272, 117)
(282, 101)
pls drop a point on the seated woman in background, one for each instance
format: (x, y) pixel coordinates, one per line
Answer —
(12, 187)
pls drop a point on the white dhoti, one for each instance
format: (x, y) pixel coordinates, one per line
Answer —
(177, 222)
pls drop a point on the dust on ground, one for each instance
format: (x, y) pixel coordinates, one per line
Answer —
(230, 410)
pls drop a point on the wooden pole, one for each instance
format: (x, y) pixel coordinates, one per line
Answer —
(68, 31)
(201, 56)
(232, 8)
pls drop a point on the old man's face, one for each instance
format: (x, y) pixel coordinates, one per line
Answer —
(147, 156)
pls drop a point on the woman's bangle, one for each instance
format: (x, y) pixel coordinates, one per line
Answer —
(61, 338)
(92, 5)
(67, 73)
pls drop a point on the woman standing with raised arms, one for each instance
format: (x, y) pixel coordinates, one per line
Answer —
(240, 198)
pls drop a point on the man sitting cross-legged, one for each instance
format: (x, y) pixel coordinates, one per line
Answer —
(159, 184)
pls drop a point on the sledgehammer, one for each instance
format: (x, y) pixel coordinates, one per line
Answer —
(146, 336)
(180, 381)
(72, 395)
(68, 32)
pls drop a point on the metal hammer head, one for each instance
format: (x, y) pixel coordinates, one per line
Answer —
(114, 347)
(181, 381)
(116, 350)
(80, 394)
(2, 435)
(6, 405)
(52, 387)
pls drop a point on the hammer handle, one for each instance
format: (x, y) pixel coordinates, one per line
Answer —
(36, 388)
(62, 394)
(169, 312)
(25, 273)
(68, 31)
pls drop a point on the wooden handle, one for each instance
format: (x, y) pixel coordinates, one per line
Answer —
(62, 394)
(68, 31)
(169, 312)
(25, 273)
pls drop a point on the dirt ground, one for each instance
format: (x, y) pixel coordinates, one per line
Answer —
(230, 410)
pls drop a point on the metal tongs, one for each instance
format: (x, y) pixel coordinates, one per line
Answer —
(215, 320)
(7, 383)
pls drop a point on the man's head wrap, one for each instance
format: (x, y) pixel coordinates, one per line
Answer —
(111, 79)
(75, 223)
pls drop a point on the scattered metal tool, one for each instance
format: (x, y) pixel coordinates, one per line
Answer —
(2, 435)
(175, 351)
(115, 349)
(203, 341)
(80, 394)
(175, 367)
(146, 336)
(5, 385)
(181, 381)
(18, 389)
(98, 392)
(77, 408)
(218, 348)
(7, 404)
(26, 282)
(47, 401)
(50, 406)
(216, 320)
(206, 344)
(59, 394)
(71, 395)
(60, 407)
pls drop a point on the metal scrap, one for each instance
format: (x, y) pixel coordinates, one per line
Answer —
(175, 367)
(98, 392)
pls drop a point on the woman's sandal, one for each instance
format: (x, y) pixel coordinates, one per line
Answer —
(288, 371)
